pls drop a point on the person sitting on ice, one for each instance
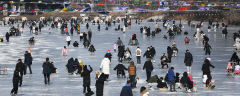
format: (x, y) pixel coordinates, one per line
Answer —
(64, 51)
(237, 69)
(164, 60)
(31, 40)
(128, 54)
(229, 67)
(120, 69)
(75, 44)
(186, 82)
(161, 84)
(91, 49)
(86, 43)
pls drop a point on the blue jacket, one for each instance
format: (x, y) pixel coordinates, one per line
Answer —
(171, 75)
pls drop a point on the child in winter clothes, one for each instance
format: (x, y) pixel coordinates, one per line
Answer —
(229, 67)
(65, 51)
(161, 84)
(115, 47)
(237, 69)
(120, 70)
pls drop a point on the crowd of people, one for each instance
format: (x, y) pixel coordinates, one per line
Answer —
(124, 54)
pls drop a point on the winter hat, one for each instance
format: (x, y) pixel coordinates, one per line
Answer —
(209, 59)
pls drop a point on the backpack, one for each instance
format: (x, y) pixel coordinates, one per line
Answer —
(138, 52)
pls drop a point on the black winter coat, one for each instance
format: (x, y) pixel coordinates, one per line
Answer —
(100, 84)
(161, 84)
(185, 81)
(152, 51)
(188, 59)
(120, 67)
(147, 54)
(86, 77)
(169, 51)
(20, 67)
(46, 68)
(206, 67)
(28, 59)
(16, 77)
(148, 66)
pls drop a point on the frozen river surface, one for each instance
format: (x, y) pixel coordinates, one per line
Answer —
(62, 84)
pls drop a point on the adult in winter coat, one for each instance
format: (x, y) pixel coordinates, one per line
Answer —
(68, 40)
(149, 67)
(169, 52)
(87, 25)
(71, 30)
(152, 51)
(206, 67)
(20, 67)
(171, 79)
(132, 73)
(90, 35)
(207, 49)
(120, 69)
(7, 36)
(28, 61)
(15, 81)
(138, 55)
(120, 52)
(86, 78)
(119, 42)
(224, 32)
(84, 36)
(188, 59)
(100, 78)
(144, 91)
(70, 65)
(148, 53)
(105, 66)
(186, 82)
(127, 90)
(46, 71)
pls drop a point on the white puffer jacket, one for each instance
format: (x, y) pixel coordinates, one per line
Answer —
(68, 38)
(105, 66)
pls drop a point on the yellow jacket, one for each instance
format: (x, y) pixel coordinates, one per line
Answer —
(81, 64)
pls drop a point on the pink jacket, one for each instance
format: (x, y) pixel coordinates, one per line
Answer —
(64, 51)
(115, 46)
